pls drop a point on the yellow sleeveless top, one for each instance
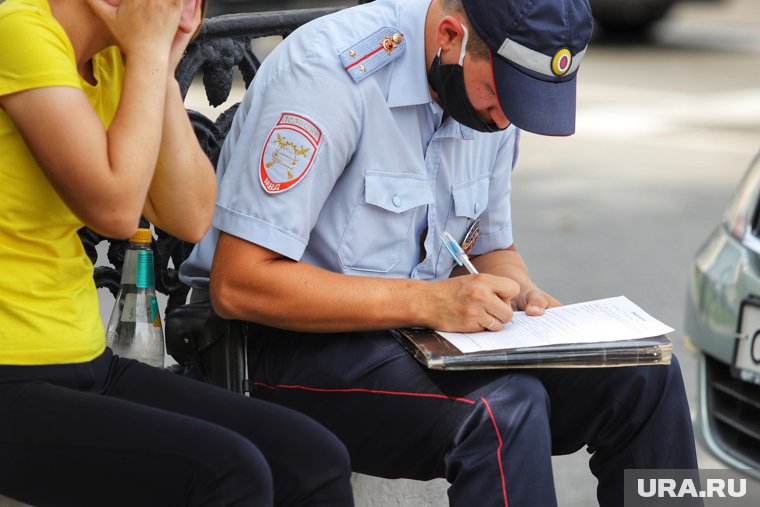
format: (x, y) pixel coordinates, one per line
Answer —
(48, 300)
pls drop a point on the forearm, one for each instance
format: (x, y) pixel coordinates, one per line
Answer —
(133, 138)
(298, 296)
(249, 282)
(182, 193)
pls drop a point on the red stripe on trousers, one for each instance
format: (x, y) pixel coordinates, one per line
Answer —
(418, 395)
(371, 391)
(498, 451)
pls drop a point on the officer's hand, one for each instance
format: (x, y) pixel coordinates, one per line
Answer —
(534, 301)
(470, 303)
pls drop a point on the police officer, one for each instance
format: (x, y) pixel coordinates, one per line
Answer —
(364, 135)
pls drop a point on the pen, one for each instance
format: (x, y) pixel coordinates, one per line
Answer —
(459, 255)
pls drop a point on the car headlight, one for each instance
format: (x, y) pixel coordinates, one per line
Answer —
(740, 218)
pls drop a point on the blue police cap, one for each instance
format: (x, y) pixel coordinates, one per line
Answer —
(536, 48)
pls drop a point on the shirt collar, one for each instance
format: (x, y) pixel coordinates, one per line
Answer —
(410, 84)
(455, 130)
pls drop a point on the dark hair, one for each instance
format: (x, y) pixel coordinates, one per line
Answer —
(475, 44)
(204, 5)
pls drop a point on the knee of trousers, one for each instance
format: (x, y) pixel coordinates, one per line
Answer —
(648, 387)
(236, 470)
(321, 459)
(666, 386)
(518, 405)
(637, 398)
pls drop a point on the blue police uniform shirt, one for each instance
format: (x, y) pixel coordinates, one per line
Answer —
(359, 177)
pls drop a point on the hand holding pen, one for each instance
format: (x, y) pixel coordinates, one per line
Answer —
(533, 300)
(461, 258)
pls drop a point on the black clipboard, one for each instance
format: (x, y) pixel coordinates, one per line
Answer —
(435, 352)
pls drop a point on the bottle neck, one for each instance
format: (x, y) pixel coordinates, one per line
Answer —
(145, 278)
(129, 267)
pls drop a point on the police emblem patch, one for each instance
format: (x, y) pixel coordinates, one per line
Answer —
(288, 153)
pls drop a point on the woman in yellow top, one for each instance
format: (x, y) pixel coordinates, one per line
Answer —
(93, 132)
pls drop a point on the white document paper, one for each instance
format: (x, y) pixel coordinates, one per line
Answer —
(604, 320)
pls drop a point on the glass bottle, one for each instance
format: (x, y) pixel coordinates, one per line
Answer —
(134, 329)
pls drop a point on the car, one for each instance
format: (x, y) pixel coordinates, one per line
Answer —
(722, 323)
(629, 17)
(620, 17)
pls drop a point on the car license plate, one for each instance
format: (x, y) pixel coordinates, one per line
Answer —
(747, 350)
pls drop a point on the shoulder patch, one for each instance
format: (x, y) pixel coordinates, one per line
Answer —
(288, 153)
(373, 53)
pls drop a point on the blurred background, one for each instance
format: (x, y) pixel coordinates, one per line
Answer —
(668, 119)
(667, 122)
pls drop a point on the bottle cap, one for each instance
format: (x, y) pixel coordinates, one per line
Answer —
(142, 236)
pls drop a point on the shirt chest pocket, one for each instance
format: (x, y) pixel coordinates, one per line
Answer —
(379, 232)
(469, 200)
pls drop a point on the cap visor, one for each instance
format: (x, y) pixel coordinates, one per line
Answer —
(532, 104)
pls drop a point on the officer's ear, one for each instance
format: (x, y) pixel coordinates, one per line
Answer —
(449, 32)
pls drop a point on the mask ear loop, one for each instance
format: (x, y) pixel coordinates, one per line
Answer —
(461, 51)
(464, 46)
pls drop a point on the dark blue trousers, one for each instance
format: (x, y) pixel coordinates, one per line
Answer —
(490, 433)
(115, 432)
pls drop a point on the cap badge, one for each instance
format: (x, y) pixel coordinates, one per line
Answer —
(561, 62)
(289, 152)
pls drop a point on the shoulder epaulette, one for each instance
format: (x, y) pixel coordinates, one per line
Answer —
(372, 53)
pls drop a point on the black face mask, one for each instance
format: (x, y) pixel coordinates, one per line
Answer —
(447, 80)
